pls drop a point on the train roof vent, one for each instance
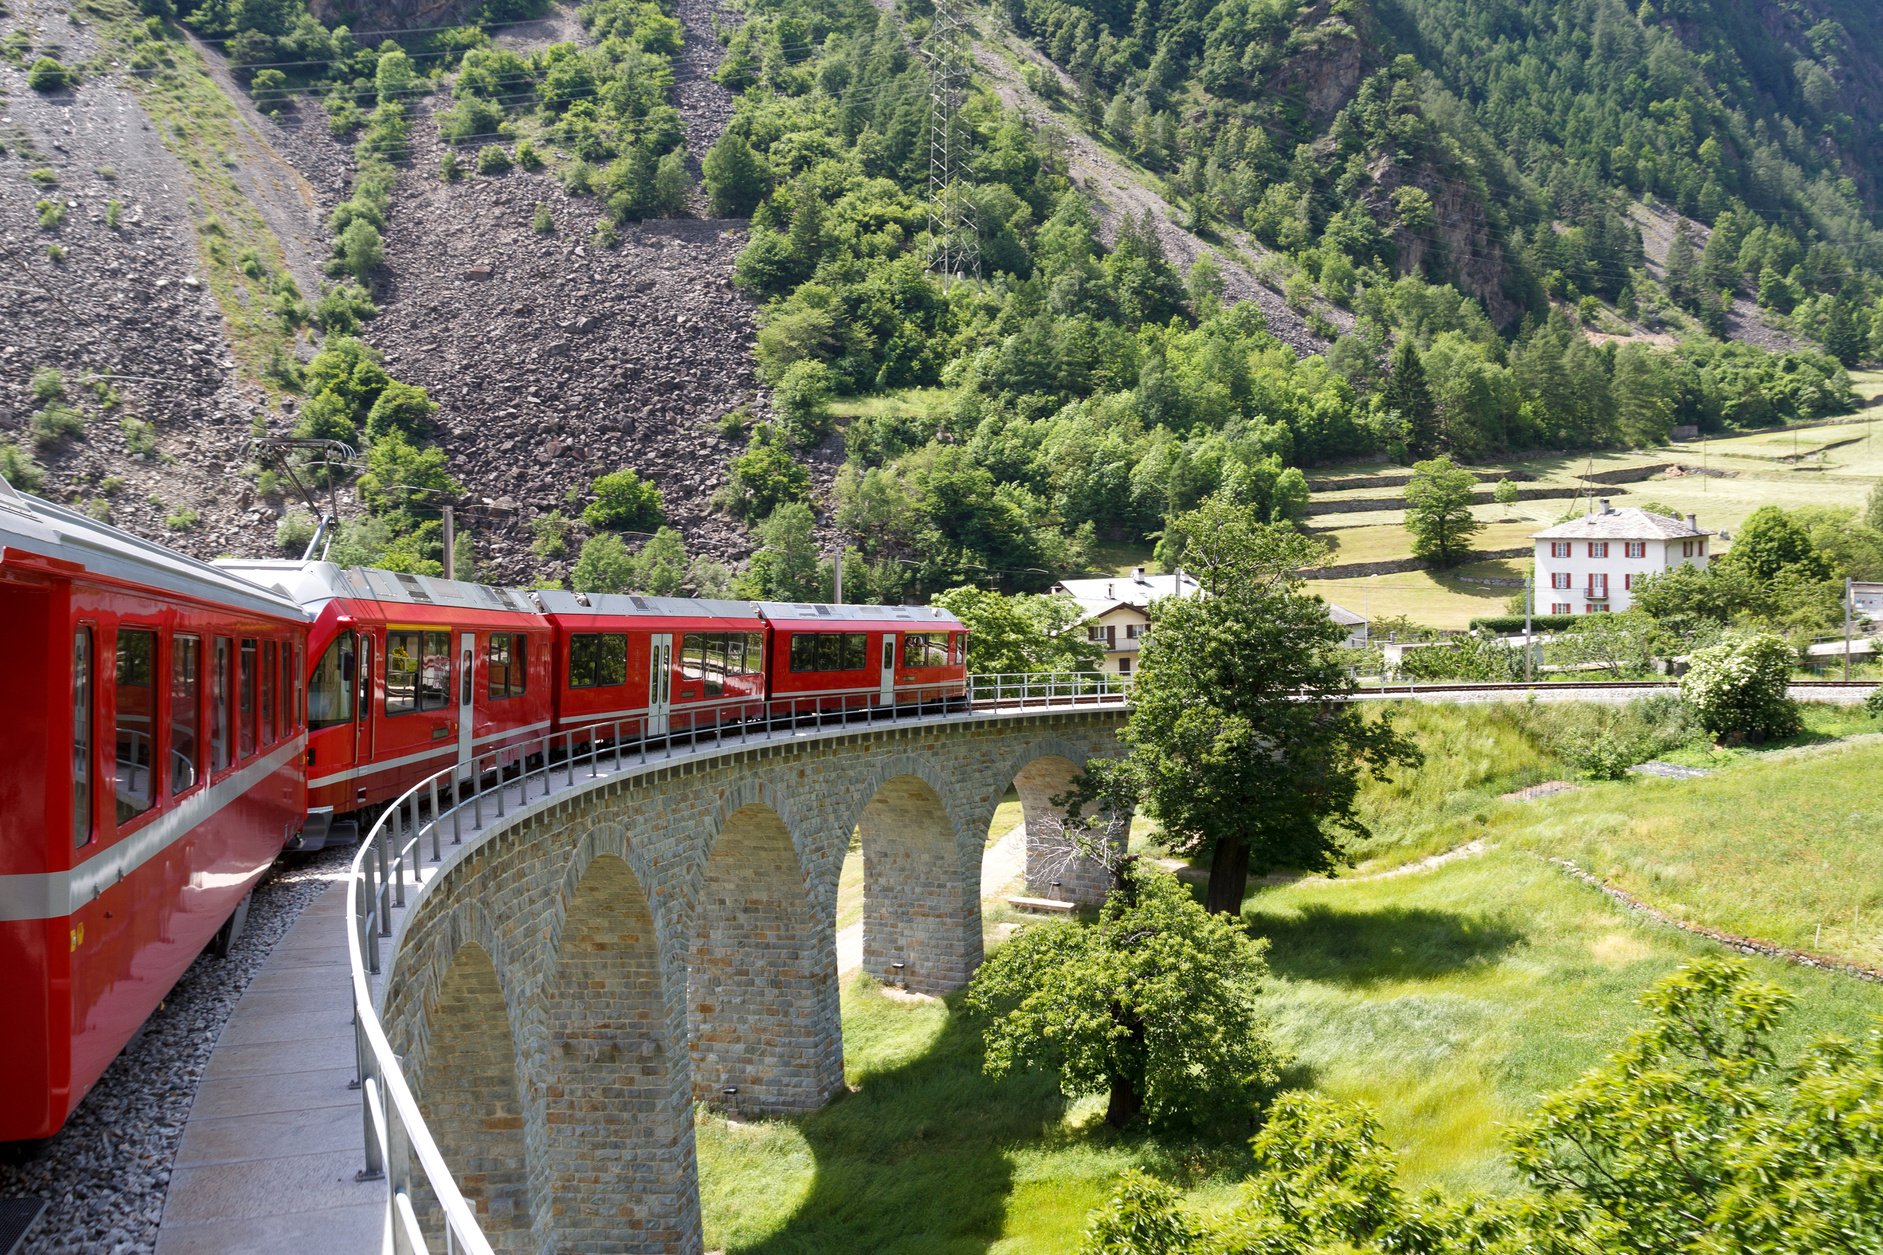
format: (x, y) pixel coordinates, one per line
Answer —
(536, 599)
(492, 596)
(10, 499)
(581, 599)
(638, 602)
(413, 586)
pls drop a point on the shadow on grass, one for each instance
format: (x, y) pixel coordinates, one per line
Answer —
(916, 1160)
(1392, 943)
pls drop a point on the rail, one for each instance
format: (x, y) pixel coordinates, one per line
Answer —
(463, 799)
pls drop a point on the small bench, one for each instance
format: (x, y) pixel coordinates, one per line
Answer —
(1053, 905)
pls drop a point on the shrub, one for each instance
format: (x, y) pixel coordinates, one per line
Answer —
(45, 176)
(358, 251)
(48, 385)
(543, 223)
(1504, 493)
(48, 75)
(183, 520)
(1738, 688)
(803, 402)
(114, 214)
(342, 307)
(550, 535)
(51, 214)
(1509, 624)
(139, 436)
(448, 168)
(293, 532)
(528, 157)
(1873, 704)
(18, 468)
(270, 90)
(624, 502)
(56, 422)
(492, 159)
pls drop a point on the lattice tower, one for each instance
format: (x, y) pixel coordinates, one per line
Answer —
(954, 241)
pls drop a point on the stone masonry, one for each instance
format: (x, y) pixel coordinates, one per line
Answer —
(669, 935)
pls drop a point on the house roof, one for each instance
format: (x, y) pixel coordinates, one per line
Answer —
(1624, 524)
(1097, 597)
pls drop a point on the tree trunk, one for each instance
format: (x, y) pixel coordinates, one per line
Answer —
(1229, 876)
(1126, 1103)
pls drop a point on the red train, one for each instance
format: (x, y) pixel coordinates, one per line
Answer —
(217, 714)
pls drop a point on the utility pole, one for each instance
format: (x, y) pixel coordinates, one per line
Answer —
(836, 573)
(1847, 629)
(1529, 605)
(450, 538)
(955, 242)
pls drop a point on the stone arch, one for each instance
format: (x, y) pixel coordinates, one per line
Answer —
(921, 882)
(472, 1101)
(1044, 771)
(618, 1170)
(762, 973)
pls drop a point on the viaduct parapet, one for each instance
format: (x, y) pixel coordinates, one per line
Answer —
(572, 980)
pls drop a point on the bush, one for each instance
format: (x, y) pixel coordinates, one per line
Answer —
(51, 214)
(528, 157)
(1873, 704)
(18, 468)
(48, 75)
(1512, 624)
(183, 520)
(358, 251)
(139, 436)
(803, 402)
(342, 307)
(48, 385)
(56, 422)
(270, 90)
(543, 223)
(448, 168)
(293, 532)
(1738, 688)
(492, 159)
(624, 502)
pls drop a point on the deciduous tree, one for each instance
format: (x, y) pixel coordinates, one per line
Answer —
(1029, 633)
(1238, 742)
(1438, 511)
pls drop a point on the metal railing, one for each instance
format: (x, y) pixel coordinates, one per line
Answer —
(465, 799)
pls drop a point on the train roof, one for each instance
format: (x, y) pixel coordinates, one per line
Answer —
(311, 583)
(815, 614)
(634, 605)
(32, 525)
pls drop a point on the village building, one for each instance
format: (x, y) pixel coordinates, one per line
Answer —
(1117, 612)
(1591, 565)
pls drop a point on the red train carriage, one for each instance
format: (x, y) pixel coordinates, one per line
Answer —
(842, 657)
(408, 674)
(656, 664)
(151, 774)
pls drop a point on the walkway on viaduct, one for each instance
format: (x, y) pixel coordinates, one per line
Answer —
(567, 983)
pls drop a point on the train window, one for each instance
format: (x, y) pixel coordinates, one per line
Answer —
(271, 667)
(136, 723)
(830, 651)
(219, 697)
(186, 712)
(245, 700)
(703, 657)
(418, 671)
(754, 654)
(330, 693)
(508, 665)
(919, 650)
(292, 661)
(597, 660)
(82, 736)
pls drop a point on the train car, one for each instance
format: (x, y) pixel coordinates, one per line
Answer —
(407, 674)
(847, 657)
(656, 665)
(152, 773)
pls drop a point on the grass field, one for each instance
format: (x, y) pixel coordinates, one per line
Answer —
(1446, 998)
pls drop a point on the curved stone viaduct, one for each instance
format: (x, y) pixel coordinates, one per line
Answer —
(572, 980)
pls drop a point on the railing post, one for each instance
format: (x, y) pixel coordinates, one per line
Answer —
(437, 854)
(569, 764)
(369, 1076)
(393, 835)
(385, 884)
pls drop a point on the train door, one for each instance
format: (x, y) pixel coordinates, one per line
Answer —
(659, 684)
(888, 695)
(467, 651)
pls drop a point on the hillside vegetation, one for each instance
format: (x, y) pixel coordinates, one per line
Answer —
(1449, 198)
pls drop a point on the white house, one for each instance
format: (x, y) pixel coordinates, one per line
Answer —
(1592, 564)
(1866, 600)
(1117, 612)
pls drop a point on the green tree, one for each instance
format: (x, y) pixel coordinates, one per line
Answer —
(1408, 394)
(1504, 492)
(1739, 687)
(662, 564)
(605, 565)
(1238, 741)
(787, 566)
(1028, 633)
(803, 402)
(401, 407)
(624, 502)
(1769, 542)
(357, 251)
(736, 179)
(764, 477)
(1438, 511)
(672, 185)
(403, 481)
(1156, 1005)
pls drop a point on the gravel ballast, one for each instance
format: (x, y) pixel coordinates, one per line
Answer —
(105, 1175)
